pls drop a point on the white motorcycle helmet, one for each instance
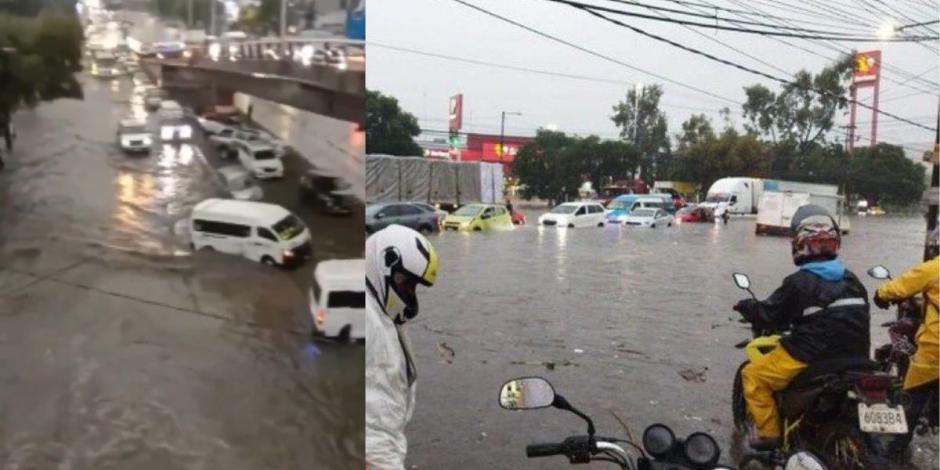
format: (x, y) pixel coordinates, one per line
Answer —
(804, 461)
(398, 260)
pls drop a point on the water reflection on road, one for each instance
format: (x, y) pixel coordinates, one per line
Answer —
(635, 321)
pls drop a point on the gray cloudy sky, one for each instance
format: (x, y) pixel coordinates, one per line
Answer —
(423, 84)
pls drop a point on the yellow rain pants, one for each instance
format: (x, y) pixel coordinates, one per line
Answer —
(761, 378)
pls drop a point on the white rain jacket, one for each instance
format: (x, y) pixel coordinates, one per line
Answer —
(389, 398)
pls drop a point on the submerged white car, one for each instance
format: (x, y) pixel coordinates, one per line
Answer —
(575, 214)
(648, 218)
(338, 299)
(260, 159)
(133, 136)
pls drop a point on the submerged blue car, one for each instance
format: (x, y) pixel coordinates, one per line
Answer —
(621, 206)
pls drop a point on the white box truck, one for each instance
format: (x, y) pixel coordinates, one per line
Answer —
(776, 210)
(740, 194)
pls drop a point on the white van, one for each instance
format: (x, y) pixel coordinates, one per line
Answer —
(259, 231)
(338, 299)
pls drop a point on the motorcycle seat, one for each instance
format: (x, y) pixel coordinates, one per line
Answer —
(807, 378)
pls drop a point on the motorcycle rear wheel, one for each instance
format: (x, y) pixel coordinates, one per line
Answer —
(738, 404)
(845, 447)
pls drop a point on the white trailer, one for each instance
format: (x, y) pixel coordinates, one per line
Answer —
(776, 210)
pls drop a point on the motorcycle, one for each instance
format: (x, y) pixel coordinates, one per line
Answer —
(835, 408)
(896, 355)
(661, 450)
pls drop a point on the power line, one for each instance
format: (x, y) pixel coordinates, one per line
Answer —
(743, 13)
(895, 98)
(885, 67)
(527, 70)
(739, 66)
(718, 18)
(586, 7)
(591, 52)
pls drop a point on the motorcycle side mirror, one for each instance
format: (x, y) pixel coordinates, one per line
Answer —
(879, 272)
(804, 461)
(526, 393)
(742, 281)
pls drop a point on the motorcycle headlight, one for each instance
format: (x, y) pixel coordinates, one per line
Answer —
(701, 449)
(658, 440)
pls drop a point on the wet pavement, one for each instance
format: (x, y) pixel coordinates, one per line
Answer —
(628, 321)
(118, 349)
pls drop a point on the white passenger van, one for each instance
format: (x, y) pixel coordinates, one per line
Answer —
(338, 299)
(259, 231)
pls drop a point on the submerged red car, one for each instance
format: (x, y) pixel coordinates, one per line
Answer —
(692, 214)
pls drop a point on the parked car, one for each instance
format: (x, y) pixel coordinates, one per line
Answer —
(620, 207)
(225, 136)
(648, 218)
(381, 215)
(171, 110)
(574, 214)
(133, 136)
(239, 182)
(441, 213)
(338, 299)
(259, 231)
(695, 214)
(328, 192)
(479, 217)
(260, 159)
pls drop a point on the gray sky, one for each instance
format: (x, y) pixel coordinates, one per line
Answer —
(423, 84)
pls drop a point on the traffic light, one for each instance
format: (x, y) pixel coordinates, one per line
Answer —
(453, 139)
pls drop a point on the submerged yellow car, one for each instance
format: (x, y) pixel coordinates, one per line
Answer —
(479, 217)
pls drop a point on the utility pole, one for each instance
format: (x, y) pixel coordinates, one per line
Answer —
(502, 132)
(189, 13)
(933, 193)
(636, 125)
(283, 17)
(211, 17)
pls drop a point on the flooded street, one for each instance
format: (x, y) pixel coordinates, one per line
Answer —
(630, 321)
(118, 349)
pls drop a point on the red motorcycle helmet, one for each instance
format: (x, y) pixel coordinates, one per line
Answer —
(814, 235)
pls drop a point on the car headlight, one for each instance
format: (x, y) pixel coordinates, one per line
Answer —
(288, 253)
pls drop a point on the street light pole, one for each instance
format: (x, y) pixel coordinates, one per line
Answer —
(211, 17)
(502, 132)
(189, 13)
(636, 124)
(283, 17)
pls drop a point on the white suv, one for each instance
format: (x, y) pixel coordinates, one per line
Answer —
(259, 158)
(225, 136)
(133, 136)
(338, 299)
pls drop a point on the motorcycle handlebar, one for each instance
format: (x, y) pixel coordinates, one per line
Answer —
(544, 450)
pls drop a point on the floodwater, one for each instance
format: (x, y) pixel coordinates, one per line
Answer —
(626, 321)
(120, 350)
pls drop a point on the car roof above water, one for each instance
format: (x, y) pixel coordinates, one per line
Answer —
(247, 211)
(341, 274)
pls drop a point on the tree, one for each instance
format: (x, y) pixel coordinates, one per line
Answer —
(803, 112)
(883, 174)
(703, 157)
(389, 130)
(645, 125)
(554, 165)
(38, 61)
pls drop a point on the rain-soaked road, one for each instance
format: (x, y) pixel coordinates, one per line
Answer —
(612, 317)
(118, 349)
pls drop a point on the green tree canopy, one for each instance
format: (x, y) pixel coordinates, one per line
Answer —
(883, 174)
(644, 124)
(38, 61)
(554, 165)
(799, 115)
(389, 129)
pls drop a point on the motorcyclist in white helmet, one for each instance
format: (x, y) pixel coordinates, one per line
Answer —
(398, 259)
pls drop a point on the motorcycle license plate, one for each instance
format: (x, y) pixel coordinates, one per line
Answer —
(881, 418)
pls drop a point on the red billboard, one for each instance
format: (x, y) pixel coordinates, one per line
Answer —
(867, 67)
(456, 112)
(491, 151)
